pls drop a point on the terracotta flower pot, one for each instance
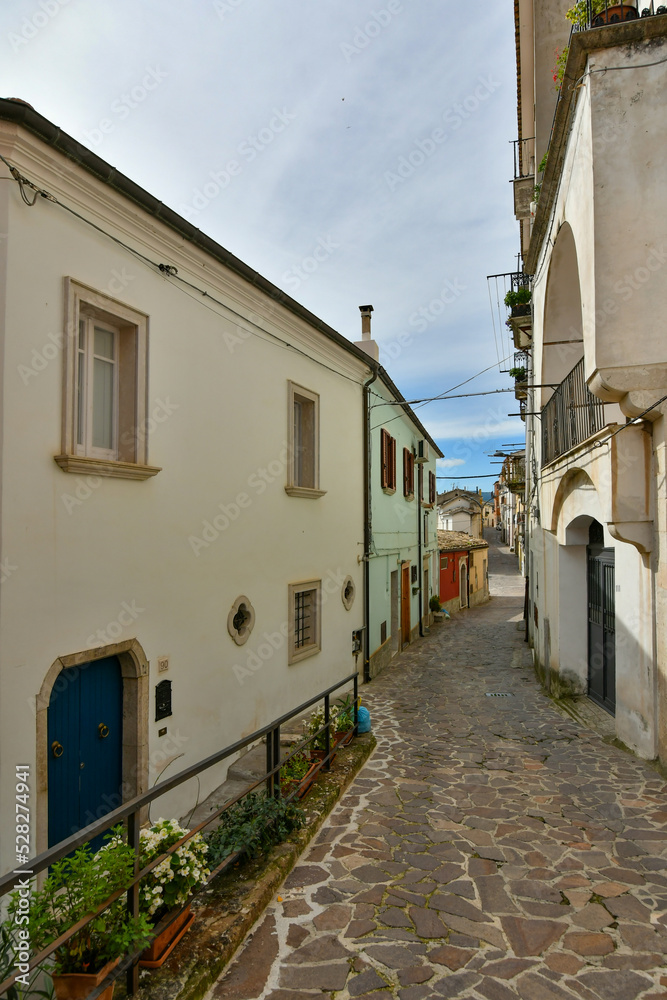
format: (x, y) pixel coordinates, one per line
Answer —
(303, 784)
(77, 985)
(162, 946)
(615, 14)
(343, 738)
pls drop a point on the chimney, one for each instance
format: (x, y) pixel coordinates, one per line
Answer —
(366, 343)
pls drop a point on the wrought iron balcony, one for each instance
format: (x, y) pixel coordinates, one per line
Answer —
(524, 176)
(597, 13)
(571, 416)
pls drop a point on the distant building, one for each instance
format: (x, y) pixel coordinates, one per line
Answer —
(461, 510)
(464, 570)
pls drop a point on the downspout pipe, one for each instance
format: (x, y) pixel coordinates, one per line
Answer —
(368, 520)
(420, 578)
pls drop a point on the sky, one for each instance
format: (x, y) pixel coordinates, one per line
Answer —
(374, 134)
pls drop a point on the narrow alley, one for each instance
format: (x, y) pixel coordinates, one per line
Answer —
(491, 848)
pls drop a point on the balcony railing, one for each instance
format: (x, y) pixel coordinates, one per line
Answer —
(572, 414)
(596, 13)
(524, 158)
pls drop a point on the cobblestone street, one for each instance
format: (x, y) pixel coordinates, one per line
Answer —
(491, 848)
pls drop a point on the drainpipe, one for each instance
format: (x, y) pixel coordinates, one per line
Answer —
(420, 578)
(367, 524)
(368, 345)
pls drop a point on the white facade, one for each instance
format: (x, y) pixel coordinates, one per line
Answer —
(596, 489)
(144, 559)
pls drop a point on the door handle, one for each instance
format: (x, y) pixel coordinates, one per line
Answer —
(57, 749)
(102, 731)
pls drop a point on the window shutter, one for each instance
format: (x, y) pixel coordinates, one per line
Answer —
(392, 463)
(384, 459)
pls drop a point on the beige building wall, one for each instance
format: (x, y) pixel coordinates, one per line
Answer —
(178, 548)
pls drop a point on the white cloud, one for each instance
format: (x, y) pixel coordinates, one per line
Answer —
(449, 463)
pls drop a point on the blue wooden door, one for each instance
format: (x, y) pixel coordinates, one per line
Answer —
(85, 746)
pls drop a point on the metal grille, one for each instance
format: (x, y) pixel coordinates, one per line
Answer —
(610, 598)
(595, 13)
(572, 414)
(304, 603)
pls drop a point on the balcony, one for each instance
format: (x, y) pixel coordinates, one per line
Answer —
(524, 177)
(571, 416)
(516, 475)
(597, 13)
(521, 369)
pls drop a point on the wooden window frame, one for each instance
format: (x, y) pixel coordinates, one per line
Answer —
(432, 496)
(408, 474)
(128, 458)
(387, 461)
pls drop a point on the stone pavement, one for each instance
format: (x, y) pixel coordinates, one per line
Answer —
(490, 849)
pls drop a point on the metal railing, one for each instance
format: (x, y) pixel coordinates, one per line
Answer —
(596, 14)
(572, 414)
(524, 158)
(131, 811)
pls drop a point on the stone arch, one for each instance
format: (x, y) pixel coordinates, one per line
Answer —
(573, 480)
(134, 670)
(563, 340)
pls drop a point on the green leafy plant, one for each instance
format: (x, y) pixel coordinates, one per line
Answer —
(253, 826)
(559, 68)
(172, 882)
(345, 714)
(434, 603)
(519, 298)
(315, 723)
(543, 163)
(295, 769)
(578, 12)
(518, 373)
(75, 888)
(10, 948)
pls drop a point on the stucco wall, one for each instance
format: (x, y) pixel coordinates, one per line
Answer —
(84, 548)
(395, 525)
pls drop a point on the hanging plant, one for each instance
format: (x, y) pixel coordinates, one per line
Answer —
(559, 68)
(578, 12)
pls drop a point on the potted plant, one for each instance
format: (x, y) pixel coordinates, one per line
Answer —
(166, 891)
(75, 888)
(344, 721)
(436, 607)
(519, 301)
(297, 772)
(312, 725)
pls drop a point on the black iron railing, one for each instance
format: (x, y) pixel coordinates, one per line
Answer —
(524, 158)
(572, 414)
(130, 814)
(597, 13)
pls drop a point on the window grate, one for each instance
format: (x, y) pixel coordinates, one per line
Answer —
(303, 618)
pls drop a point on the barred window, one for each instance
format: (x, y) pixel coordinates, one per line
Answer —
(304, 626)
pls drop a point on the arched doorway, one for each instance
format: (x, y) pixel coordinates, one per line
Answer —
(134, 673)
(601, 620)
(463, 584)
(85, 746)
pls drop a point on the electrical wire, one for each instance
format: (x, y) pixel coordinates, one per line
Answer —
(635, 420)
(168, 270)
(493, 321)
